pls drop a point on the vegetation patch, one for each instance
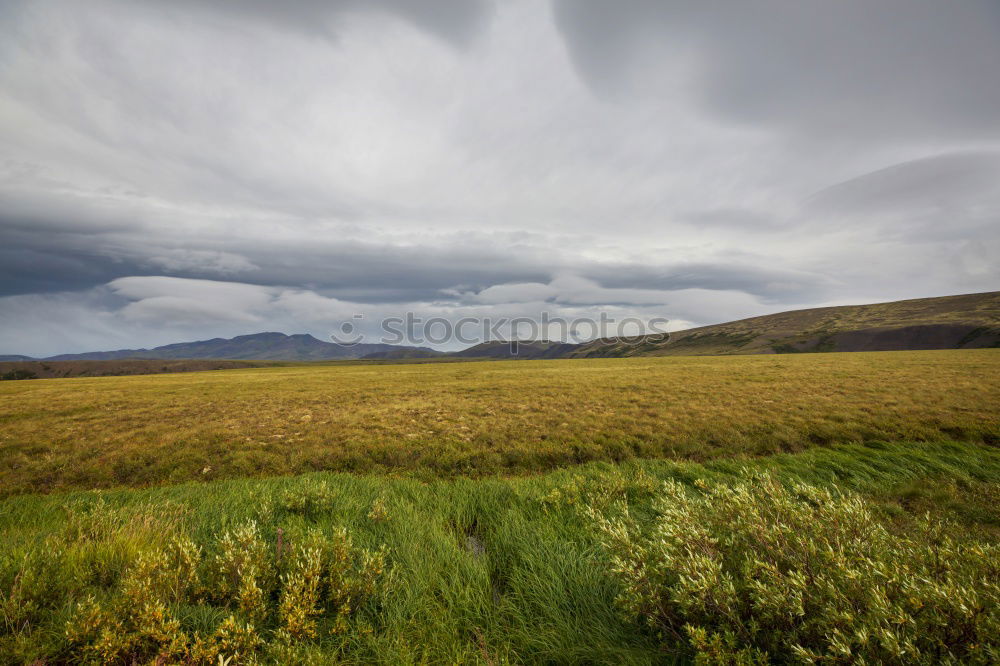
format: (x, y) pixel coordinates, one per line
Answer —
(142, 590)
(734, 340)
(335, 567)
(756, 570)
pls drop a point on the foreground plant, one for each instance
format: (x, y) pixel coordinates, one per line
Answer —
(264, 594)
(756, 571)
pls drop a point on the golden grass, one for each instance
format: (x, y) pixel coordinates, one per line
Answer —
(481, 418)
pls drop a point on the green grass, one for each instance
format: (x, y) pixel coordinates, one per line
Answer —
(540, 590)
(481, 419)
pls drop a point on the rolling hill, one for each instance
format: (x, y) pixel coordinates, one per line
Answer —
(948, 322)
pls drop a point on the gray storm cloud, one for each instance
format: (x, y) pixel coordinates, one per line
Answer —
(864, 69)
(199, 168)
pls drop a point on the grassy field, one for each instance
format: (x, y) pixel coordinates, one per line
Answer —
(479, 419)
(826, 508)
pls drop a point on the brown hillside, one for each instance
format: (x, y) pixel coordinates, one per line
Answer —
(949, 322)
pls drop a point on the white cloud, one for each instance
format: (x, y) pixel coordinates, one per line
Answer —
(146, 311)
(516, 293)
(210, 291)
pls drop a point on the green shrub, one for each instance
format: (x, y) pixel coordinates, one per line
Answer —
(309, 499)
(301, 594)
(756, 571)
(269, 594)
(242, 572)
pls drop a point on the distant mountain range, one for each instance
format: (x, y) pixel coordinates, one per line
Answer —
(259, 347)
(949, 322)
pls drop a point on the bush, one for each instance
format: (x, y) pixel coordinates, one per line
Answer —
(309, 499)
(264, 592)
(757, 571)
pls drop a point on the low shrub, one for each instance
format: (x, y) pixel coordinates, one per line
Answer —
(309, 499)
(757, 571)
(266, 592)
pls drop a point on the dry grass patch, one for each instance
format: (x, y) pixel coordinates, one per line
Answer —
(482, 418)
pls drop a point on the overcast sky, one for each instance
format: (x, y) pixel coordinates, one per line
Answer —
(182, 170)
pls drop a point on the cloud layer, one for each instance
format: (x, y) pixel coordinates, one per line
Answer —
(193, 169)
